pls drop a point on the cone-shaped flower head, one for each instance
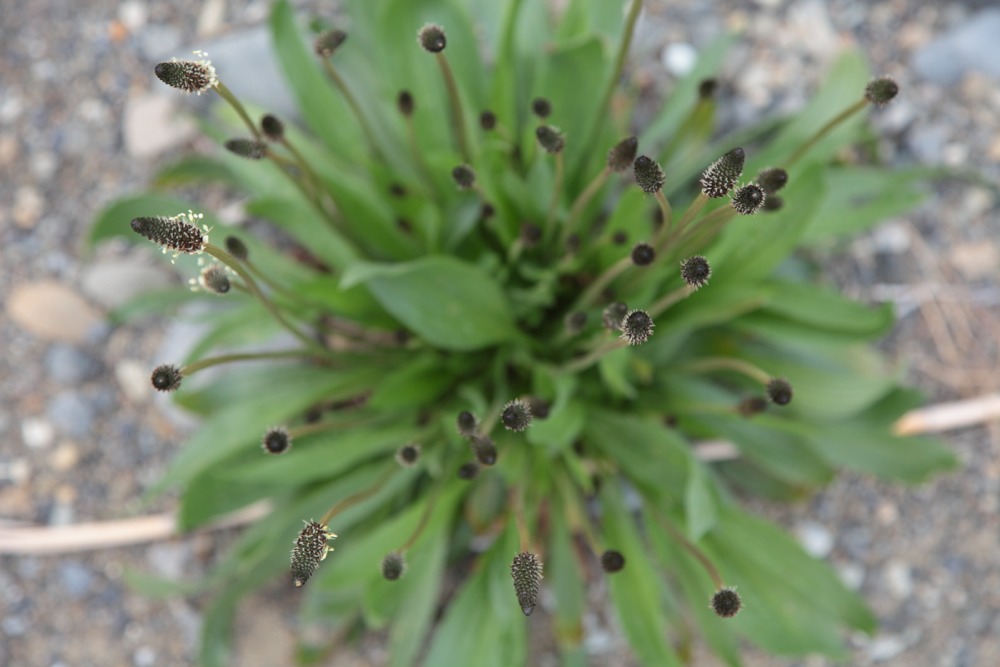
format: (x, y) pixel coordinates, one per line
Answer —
(637, 327)
(549, 138)
(487, 120)
(272, 127)
(648, 175)
(408, 455)
(393, 566)
(726, 603)
(773, 203)
(771, 179)
(466, 423)
(622, 155)
(177, 233)
(516, 415)
(237, 248)
(191, 76)
(526, 570)
(484, 449)
(880, 91)
(779, 390)
(643, 254)
(575, 322)
(748, 199)
(311, 547)
(405, 103)
(431, 38)
(613, 315)
(468, 471)
(721, 175)
(752, 405)
(248, 148)
(276, 440)
(328, 42)
(695, 271)
(463, 176)
(166, 377)
(707, 88)
(612, 561)
(541, 107)
(214, 279)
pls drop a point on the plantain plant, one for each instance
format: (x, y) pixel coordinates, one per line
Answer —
(489, 335)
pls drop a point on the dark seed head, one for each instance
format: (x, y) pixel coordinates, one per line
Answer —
(408, 455)
(531, 233)
(237, 248)
(721, 175)
(526, 570)
(187, 75)
(166, 377)
(779, 390)
(393, 566)
(695, 271)
(773, 203)
(214, 279)
(468, 471)
(272, 127)
(726, 603)
(516, 415)
(466, 423)
(880, 91)
(539, 407)
(707, 88)
(622, 155)
(748, 199)
(549, 138)
(752, 405)
(276, 440)
(487, 211)
(487, 120)
(643, 254)
(483, 449)
(328, 42)
(397, 190)
(575, 322)
(431, 38)
(619, 238)
(612, 561)
(248, 148)
(311, 547)
(404, 102)
(637, 327)
(613, 315)
(648, 175)
(771, 179)
(541, 107)
(463, 176)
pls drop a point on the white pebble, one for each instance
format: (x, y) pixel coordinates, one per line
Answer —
(679, 58)
(37, 433)
(815, 539)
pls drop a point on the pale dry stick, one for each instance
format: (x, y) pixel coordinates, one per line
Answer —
(105, 534)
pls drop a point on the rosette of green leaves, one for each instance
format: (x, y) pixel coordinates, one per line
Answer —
(484, 325)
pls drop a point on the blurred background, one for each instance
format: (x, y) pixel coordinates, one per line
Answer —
(83, 121)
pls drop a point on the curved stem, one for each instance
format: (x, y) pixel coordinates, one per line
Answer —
(249, 356)
(228, 96)
(578, 206)
(825, 130)
(352, 102)
(456, 106)
(593, 357)
(698, 554)
(360, 496)
(710, 364)
(669, 299)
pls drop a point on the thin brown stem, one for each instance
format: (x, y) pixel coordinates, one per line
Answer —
(825, 130)
(710, 364)
(249, 356)
(456, 107)
(228, 96)
(692, 549)
(358, 497)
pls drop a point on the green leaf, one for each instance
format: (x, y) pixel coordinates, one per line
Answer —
(700, 505)
(866, 443)
(652, 456)
(564, 575)
(637, 589)
(794, 604)
(308, 226)
(197, 170)
(240, 424)
(417, 383)
(449, 303)
(822, 308)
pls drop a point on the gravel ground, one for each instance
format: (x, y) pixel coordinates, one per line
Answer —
(82, 121)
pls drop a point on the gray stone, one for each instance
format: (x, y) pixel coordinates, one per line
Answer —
(973, 45)
(14, 626)
(815, 539)
(69, 365)
(113, 283)
(71, 413)
(52, 311)
(37, 433)
(75, 578)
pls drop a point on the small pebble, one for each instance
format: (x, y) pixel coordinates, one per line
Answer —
(75, 579)
(37, 433)
(885, 647)
(899, 579)
(69, 365)
(71, 413)
(815, 539)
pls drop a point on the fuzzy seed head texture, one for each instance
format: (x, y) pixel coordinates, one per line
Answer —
(177, 233)
(247, 148)
(613, 315)
(484, 449)
(771, 179)
(166, 377)
(748, 199)
(695, 271)
(726, 603)
(881, 91)
(191, 76)
(276, 440)
(612, 561)
(779, 390)
(214, 279)
(637, 327)
(237, 248)
(526, 570)
(310, 548)
(393, 566)
(431, 38)
(721, 175)
(549, 138)
(328, 42)
(408, 455)
(516, 415)
(648, 175)
(622, 155)
(643, 254)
